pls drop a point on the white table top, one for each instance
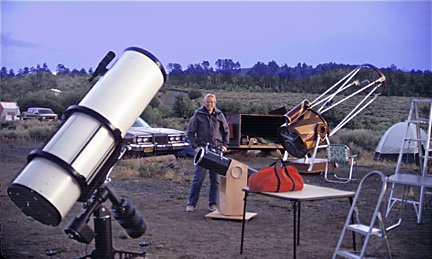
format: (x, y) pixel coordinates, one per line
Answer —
(309, 193)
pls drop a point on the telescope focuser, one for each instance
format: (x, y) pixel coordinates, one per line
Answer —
(102, 67)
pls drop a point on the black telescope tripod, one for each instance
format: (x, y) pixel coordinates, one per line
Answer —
(123, 212)
(122, 209)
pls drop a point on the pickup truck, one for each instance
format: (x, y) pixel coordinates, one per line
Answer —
(42, 114)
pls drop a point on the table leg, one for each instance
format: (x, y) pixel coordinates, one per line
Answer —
(243, 221)
(298, 225)
(296, 228)
(352, 222)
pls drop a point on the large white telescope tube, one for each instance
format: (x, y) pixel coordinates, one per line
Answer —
(69, 166)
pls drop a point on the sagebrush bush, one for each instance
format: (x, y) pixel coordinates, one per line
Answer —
(152, 116)
(151, 169)
(30, 130)
(40, 133)
(183, 107)
(359, 140)
(175, 123)
(194, 94)
(258, 108)
(229, 106)
(14, 134)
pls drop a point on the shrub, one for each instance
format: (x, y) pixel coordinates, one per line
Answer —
(40, 133)
(254, 108)
(359, 140)
(194, 94)
(31, 130)
(155, 102)
(175, 123)
(333, 116)
(152, 116)
(151, 169)
(7, 134)
(165, 110)
(229, 106)
(183, 107)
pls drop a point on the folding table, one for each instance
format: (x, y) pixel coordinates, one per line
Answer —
(308, 193)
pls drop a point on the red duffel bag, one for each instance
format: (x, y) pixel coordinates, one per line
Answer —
(275, 179)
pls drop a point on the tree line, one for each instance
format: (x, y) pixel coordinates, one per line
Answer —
(301, 78)
(30, 86)
(60, 69)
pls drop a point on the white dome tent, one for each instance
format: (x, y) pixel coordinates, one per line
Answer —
(391, 142)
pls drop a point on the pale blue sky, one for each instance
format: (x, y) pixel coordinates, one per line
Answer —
(78, 34)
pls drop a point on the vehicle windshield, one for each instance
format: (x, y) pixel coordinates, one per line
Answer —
(45, 111)
(140, 123)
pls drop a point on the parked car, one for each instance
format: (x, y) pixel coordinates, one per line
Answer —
(144, 139)
(42, 114)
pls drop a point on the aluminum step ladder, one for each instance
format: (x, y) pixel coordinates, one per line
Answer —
(423, 180)
(374, 227)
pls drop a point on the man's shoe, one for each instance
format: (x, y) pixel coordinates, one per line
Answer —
(190, 208)
(213, 208)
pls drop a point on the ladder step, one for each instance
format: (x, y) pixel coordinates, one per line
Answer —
(422, 101)
(347, 254)
(363, 229)
(416, 139)
(421, 121)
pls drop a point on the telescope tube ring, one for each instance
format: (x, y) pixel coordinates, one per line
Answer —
(60, 162)
(92, 113)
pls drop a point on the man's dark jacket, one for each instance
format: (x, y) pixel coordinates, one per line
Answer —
(208, 128)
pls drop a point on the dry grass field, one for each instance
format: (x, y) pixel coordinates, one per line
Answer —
(384, 111)
(387, 110)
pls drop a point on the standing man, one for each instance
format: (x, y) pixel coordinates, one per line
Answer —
(207, 126)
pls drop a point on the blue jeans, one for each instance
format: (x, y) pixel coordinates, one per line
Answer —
(197, 182)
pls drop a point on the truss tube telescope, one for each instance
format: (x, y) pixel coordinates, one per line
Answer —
(305, 127)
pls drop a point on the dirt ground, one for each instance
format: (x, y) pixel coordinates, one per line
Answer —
(174, 233)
